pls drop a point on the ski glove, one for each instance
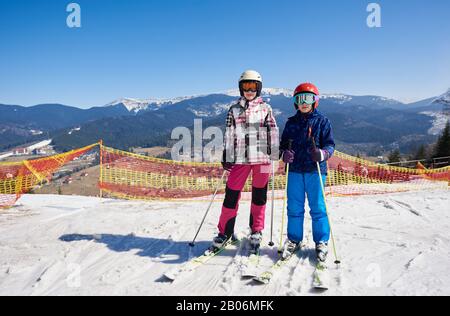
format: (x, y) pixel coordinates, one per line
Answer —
(227, 165)
(319, 155)
(288, 156)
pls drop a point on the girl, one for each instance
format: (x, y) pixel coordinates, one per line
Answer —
(251, 143)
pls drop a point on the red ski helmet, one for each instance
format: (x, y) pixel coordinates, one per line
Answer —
(307, 87)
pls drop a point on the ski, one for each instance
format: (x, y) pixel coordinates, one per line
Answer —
(250, 266)
(321, 277)
(196, 262)
(267, 276)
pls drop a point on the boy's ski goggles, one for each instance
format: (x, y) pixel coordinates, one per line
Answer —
(250, 86)
(306, 98)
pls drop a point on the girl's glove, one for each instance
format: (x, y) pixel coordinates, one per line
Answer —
(227, 165)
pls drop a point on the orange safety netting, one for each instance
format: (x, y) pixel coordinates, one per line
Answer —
(349, 175)
(132, 176)
(17, 178)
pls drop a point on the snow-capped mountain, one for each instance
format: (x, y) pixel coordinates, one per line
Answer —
(444, 100)
(338, 98)
(358, 119)
(215, 109)
(137, 105)
(440, 113)
(266, 92)
(439, 121)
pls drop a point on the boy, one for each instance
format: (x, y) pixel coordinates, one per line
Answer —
(311, 135)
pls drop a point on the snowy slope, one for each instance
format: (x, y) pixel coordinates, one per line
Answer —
(66, 245)
(441, 116)
(440, 119)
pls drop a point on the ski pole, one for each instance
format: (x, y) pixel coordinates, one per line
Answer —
(285, 199)
(271, 243)
(337, 261)
(322, 187)
(192, 244)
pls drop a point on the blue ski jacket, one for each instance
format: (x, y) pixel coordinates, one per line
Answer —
(301, 129)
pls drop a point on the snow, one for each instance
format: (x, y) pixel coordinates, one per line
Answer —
(76, 129)
(5, 155)
(137, 105)
(444, 99)
(395, 244)
(36, 132)
(215, 110)
(39, 145)
(339, 98)
(440, 119)
(265, 92)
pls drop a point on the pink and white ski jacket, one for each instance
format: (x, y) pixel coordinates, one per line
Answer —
(251, 135)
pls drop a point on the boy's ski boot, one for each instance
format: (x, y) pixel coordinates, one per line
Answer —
(322, 251)
(289, 248)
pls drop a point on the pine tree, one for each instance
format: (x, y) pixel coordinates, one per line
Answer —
(421, 153)
(394, 156)
(443, 144)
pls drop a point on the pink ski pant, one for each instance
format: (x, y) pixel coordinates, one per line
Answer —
(236, 182)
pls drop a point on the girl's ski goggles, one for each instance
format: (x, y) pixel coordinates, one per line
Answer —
(306, 98)
(250, 86)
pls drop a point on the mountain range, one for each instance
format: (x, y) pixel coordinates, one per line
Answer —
(367, 124)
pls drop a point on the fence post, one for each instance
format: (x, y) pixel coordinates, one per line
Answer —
(101, 168)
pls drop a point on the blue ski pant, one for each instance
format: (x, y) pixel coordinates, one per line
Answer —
(302, 185)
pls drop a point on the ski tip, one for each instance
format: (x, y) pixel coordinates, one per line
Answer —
(248, 275)
(261, 281)
(169, 277)
(322, 288)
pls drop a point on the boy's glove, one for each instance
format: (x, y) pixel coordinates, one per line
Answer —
(288, 156)
(319, 155)
(227, 165)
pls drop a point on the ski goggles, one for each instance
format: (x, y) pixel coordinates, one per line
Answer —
(250, 86)
(306, 98)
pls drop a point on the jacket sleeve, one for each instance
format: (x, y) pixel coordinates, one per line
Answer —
(229, 145)
(326, 138)
(273, 137)
(284, 139)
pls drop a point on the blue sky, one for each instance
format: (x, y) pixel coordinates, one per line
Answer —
(167, 48)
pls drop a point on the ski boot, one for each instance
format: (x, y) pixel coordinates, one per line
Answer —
(255, 243)
(289, 248)
(219, 242)
(322, 251)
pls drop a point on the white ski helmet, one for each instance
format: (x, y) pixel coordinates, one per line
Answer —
(251, 75)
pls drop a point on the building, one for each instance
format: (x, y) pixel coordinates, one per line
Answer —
(20, 151)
